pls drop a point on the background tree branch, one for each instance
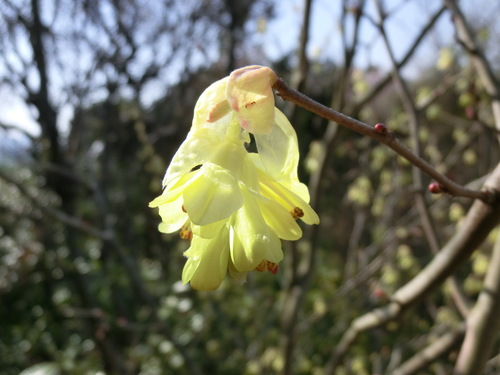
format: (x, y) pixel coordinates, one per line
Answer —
(480, 220)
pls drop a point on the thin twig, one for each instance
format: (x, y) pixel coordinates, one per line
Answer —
(413, 125)
(297, 285)
(431, 353)
(58, 215)
(385, 81)
(381, 134)
(414, 116)
(301, 276)
(14, 128)
(483, 68)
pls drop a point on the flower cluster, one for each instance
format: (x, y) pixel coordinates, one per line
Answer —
(235, 205)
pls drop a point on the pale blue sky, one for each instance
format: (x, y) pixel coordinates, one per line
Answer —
(282, 34)
(325, 42)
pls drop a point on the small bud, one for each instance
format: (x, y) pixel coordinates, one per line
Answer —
(470, 112)
(380, 128)
(379, 293)
(435, 188)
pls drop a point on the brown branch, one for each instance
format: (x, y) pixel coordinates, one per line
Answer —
(483, 68)
(414, 116)
(302, 273)
(296, 289)
(478, 223)
(299, 75)
(349, 51)
(385, 81)
(431, 353)
(413, 124)
(57, 215)
(380, 134)
(483, 323)
(47, 114)
(15, 128)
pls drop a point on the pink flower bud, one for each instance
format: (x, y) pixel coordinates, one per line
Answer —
(249, 93)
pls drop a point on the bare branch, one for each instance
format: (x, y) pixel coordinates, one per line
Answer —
(299, 75)
(380, 134)
(296, 290)
(478, 223)
(302, 273)
(58, 215)
(414, 116)
(483, 323)
(483, 68)
(14, 128)
(432, 352)
(383, 83)
(413, 124)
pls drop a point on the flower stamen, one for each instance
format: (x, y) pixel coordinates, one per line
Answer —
(247, 105)
(186, 233)
(297, 212)
(266, 265)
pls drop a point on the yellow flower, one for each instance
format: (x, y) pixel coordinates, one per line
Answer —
(234, 205)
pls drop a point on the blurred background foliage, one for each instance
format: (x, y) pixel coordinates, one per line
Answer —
(87, 283)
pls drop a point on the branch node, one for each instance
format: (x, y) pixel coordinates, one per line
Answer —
(381, 129)
(490, 195)
(436, 188)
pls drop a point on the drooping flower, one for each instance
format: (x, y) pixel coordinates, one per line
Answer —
(232, 204)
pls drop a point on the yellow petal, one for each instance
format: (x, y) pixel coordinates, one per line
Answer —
(170, 204)
(248, 173)
(275, 191)
(211, 105)
(207, 262)
(169, 195)
(193, 152)
(240, 277)
(214, 196)
(280, 220)
(209, 230)
(251, 239)
(173, 192)
(249, 93)
(172, 215)
(230, 154)
(279, 150)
